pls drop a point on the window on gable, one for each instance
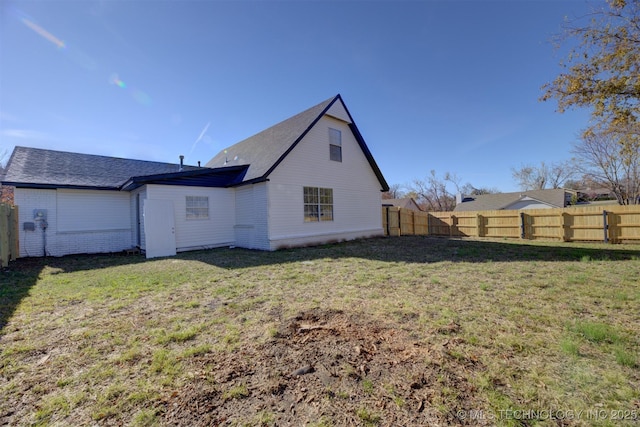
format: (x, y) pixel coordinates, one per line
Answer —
(335, 145)
(318, 204)
(197, 207)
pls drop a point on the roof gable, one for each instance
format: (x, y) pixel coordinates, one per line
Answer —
(264, 151)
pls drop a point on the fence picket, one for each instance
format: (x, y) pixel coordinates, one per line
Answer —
(9, 249)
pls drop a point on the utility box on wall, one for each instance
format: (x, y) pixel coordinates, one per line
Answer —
(39, 214)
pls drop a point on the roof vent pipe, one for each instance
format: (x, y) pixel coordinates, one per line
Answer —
(181, 162)
(198, 163)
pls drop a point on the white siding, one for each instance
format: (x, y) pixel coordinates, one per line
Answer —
(356, 191)
(65, 242)
(527, 203)
(251, 228)
(86, 210)
(217, 230)
(337, 110)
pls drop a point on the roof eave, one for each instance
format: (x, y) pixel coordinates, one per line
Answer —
(368, 155)
(138, 181)
(41, 186)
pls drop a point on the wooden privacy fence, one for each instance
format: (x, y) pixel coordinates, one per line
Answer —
(9, 247)
(610, 223)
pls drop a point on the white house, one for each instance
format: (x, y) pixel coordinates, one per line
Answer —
(310, 179)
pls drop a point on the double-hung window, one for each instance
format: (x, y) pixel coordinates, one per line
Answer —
(335, 145)
(197, 207)
(318, 204)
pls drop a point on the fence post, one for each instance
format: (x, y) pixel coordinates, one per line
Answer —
(428, 225)
(413, 221)
(452, 219)
(564, 226)
(388, 225)
(479, 221)
(9, 241)
(523, 233)
(605, 226)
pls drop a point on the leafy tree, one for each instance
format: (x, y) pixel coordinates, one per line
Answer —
(612, 158)
(553, 175)
(602, 71)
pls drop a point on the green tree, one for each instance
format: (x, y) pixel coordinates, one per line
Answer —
(602, 71)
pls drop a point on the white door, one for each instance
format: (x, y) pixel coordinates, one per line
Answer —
(159, 228)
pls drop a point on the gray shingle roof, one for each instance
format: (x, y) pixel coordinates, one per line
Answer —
(35, 167)
(489, 202)
(265, 150)
(406, 203)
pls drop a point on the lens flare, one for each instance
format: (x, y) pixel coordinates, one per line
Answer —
(141, 97)
(44, 33)
(115, 80)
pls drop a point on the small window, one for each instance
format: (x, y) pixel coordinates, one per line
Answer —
(335, 145)
(318, 204)
(197, 207)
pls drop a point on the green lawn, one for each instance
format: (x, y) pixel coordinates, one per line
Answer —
(396, 331)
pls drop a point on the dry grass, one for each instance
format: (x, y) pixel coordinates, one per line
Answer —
(495, 327)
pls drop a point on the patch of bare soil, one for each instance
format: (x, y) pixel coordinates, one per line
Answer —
(330, 368)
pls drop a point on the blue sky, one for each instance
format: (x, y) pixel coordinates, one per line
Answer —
(444, 85)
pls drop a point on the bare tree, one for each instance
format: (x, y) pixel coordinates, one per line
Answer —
(394, 192)
(613, 158)
(432, 192)
(4, 156)
(6, 193)
(553, 175)
(470, 190)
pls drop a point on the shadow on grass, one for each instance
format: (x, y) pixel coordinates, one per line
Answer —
(23, 274)
(17, 280)
(418, 250)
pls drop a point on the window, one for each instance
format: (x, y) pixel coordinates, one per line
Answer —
(335, 145)
(197, 207)
(318, 204)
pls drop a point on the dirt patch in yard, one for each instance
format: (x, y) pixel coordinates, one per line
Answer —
(330, 368)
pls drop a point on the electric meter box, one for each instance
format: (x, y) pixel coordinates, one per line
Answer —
(40, 214)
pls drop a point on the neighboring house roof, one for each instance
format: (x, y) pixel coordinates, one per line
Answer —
(405, 203)
(264, 151)
(39, 168)
(486, 202)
